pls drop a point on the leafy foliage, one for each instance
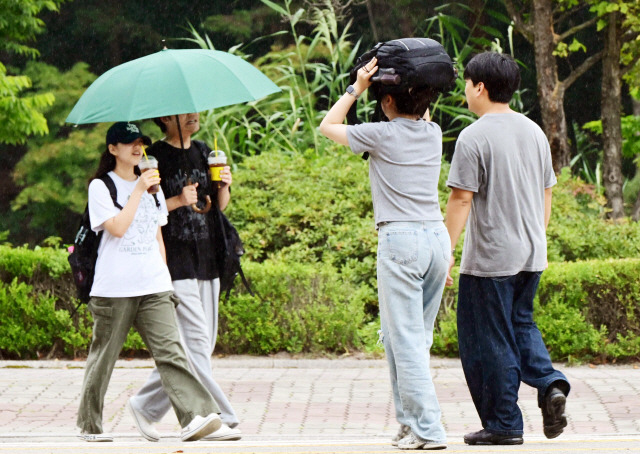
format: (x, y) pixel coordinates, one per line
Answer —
(31, 325)
(311, 73)
(22, 114)
(20, 24)
(36, 299)
(307, 308)
(591, 309)
(577, 230)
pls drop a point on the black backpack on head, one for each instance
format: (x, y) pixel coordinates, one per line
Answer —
(402, 64)
(409, 62)
(84, 255)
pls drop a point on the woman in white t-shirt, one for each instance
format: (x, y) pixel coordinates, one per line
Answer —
(132, 287)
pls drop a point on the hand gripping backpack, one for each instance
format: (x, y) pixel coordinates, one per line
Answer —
(405, 63)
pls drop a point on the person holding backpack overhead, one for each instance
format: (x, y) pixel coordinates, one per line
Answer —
(405, 155)
(192, 248)
(132, 287)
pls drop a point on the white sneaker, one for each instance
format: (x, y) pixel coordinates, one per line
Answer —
(201, 426)
(413, 442)
(403, 431)
(224, 433)
(145, 427)
(95, 437)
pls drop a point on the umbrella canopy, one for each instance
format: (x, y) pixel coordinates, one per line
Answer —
(170, 82)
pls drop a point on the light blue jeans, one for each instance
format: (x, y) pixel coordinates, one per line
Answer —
(413, 259)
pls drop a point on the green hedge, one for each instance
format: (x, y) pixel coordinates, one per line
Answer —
(578, 230)
(36, 299)
(307, 224)
(586, 311)
(306, 308)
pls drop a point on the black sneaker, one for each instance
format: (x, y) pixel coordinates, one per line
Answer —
(553, 418)
(482, 437)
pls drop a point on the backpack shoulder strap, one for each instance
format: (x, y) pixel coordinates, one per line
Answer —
(111, 186)
(202, 148)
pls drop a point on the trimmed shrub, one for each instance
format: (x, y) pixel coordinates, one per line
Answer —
(32, 328)
(577, 230)
(37, 295)
(586, 311)
(591, 309)
(306, 308)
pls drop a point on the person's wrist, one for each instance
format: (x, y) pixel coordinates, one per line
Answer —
(359, 88)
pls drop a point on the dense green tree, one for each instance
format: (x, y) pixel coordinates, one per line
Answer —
(549, 25)
(620, 22)
(21, 112)
(107, 33)
(54, 171)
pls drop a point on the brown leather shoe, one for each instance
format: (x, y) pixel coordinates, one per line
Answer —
(482, 437)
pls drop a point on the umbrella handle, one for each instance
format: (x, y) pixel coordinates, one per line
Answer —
(206, 208)
(195, 207)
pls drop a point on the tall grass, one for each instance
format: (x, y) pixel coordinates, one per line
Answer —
(312, 72)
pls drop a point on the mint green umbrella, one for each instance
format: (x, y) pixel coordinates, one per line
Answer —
(170, 82)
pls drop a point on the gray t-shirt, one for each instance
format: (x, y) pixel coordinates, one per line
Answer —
(506, 161)
(404, 167)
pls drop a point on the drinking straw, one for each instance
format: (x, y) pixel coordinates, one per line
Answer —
(215, 145)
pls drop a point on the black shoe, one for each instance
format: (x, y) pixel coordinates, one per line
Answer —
(553, 418)
(482, 437)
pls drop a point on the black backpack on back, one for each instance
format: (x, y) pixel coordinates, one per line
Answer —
(228, 253)
(225, 237)
(84, 254)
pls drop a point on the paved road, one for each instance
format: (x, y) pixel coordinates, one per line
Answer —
(307, 406)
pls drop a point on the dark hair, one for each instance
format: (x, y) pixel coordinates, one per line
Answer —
(160, 124)
(409, 101)
(107, 164)
(498, 72)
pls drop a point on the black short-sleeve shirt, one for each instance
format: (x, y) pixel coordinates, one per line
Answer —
(187, 236)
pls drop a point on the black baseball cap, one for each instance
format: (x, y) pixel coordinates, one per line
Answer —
(125, 132)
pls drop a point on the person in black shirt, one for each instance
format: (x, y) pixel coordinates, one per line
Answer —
(191, 260)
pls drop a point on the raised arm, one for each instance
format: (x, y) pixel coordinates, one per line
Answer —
(119, 224)
(332, 125)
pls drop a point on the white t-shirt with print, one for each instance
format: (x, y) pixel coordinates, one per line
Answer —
(131, 265)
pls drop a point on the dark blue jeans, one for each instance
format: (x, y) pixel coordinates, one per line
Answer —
(500, 346)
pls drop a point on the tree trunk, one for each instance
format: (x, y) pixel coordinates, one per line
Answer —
(550, 89)
(635, 213)
(611, 118)
(372, 22)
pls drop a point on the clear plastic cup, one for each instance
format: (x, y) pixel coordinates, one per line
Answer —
(148, 163)
(217, 160)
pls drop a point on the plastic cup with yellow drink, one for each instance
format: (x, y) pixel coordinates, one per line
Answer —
(217, 160)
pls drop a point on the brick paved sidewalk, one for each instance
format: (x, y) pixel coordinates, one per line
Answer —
(295, 399)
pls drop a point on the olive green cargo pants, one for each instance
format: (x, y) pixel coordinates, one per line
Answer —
(154, 318)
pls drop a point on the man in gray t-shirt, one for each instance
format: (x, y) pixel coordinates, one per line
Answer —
(501, 179)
